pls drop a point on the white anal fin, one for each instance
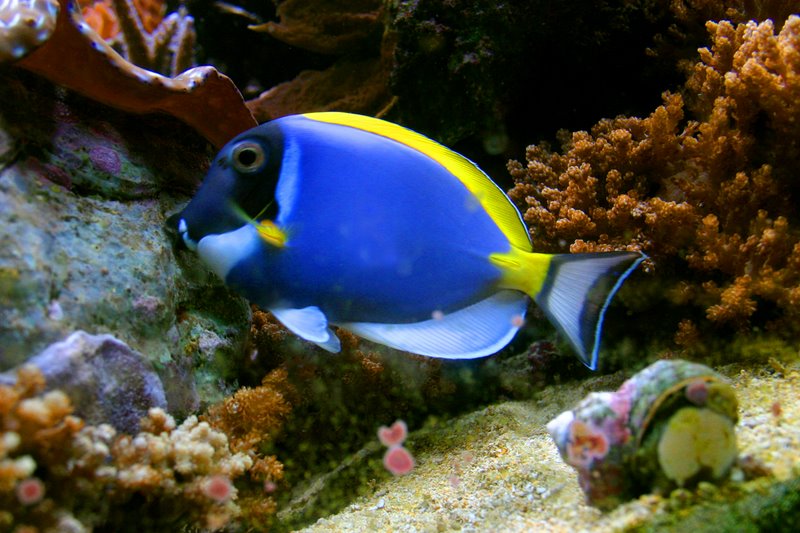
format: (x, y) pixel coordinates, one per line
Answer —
(311, 324)
(478, 330)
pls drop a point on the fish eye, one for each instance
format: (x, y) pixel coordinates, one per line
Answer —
(248, 157)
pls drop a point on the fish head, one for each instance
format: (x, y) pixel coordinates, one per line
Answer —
(239, 188)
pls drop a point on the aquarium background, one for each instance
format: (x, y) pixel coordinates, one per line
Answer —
(140, 393)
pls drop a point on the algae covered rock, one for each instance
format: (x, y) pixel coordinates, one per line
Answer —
(106, 381)
(84, 192)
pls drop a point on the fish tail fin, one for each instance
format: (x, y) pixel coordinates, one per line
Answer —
(573, 290)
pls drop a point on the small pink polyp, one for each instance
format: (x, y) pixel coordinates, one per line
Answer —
(394, 435)
(398, 460)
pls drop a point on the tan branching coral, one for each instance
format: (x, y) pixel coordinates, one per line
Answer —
(734, 10)
(56, 472)
(707, 184)
(250, 418)
(252, 415)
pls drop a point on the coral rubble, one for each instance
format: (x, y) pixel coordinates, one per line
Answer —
(706, 185)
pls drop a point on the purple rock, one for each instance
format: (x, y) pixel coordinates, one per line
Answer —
(106, 380)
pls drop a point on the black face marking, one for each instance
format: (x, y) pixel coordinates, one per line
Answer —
(240, 184)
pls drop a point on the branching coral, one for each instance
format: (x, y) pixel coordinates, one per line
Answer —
(56, 473)
(252, 415)
(250, 418)
(149, 40)
(711, 196)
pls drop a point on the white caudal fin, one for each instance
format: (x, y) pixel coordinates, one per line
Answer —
(480, 329)
(576, 294)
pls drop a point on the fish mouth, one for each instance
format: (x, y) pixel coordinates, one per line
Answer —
(183, 231)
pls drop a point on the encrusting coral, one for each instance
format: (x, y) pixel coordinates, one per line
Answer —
(58, 473)
(706, 185)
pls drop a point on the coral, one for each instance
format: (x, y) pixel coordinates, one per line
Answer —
(164, 45)
(358, 79)
(77, 58)
(88, 476)
(252, 415)
(138, 30)
(734, 10)
(326, 27)
(101, 16)
(706, 185)
(24, 26)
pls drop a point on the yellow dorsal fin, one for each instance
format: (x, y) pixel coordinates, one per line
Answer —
(491, 197)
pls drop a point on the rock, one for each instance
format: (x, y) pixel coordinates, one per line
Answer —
(106, 380)
(84, 193)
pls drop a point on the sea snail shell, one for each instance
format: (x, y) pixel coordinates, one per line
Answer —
(671, 425)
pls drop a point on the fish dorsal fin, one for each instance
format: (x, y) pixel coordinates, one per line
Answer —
(478, 330)
(491, 197)
(311, 324)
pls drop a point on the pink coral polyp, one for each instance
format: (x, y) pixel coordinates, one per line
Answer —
(398, 461)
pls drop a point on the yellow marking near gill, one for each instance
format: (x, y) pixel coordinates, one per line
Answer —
(490, 196)
(521, 270)
(271, 233)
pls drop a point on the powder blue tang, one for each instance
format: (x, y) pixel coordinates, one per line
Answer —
(333, 218)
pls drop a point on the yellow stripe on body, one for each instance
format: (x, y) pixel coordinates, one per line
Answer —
(522, 271)
(491, 197)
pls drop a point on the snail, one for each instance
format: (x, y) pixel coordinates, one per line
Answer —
(670, 425)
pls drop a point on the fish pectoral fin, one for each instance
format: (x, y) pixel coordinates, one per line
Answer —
(478, 330)
(311, 324)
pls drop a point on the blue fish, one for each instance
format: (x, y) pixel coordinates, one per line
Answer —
(341, 219)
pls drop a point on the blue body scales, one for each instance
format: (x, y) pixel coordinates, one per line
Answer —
(340, 219)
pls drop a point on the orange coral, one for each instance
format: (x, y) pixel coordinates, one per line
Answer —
(252, 415)
(99, 14)
(101, 17)
(735, 10)
(712, 199)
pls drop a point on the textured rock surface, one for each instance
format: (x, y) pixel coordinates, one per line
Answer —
(107, 382)
(84, 192)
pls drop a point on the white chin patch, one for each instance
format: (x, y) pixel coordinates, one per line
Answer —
(183, 229)
(222, 252)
